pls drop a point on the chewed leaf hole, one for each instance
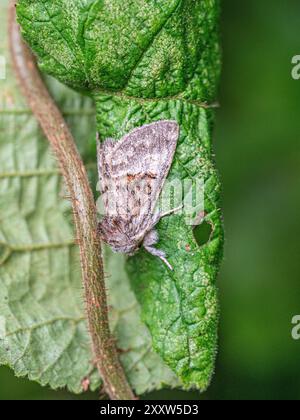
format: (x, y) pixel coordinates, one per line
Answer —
(202, 233)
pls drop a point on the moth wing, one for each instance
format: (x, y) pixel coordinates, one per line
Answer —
(136, 168)
(104, 150)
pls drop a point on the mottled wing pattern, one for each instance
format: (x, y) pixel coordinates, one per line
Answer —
(104, 151)
(132, 172)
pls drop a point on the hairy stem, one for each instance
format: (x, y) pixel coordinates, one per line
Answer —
(84, 209)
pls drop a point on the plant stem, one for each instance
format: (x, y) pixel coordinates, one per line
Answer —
(84, 209)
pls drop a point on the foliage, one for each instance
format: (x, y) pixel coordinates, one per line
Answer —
(140, 61)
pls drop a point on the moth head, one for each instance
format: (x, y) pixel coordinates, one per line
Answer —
(112, 231)
(129, 249)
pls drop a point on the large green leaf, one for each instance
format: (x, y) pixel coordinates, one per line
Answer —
(144, 61)
(144, 48)
(43, 331)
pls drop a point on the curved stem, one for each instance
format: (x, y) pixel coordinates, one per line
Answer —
(84, 209)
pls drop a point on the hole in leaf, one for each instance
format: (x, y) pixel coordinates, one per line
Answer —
(202, 233)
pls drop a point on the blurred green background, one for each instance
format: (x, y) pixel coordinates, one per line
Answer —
(258, 157)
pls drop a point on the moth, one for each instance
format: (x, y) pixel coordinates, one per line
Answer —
(132, 173)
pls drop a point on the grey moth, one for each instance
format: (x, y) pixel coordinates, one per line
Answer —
(132, 172)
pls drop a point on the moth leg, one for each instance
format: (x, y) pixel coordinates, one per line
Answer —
(159, 215)
(173, 211)
(151, 239)
(160, 254)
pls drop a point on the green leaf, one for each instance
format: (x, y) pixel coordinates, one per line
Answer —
(145, 61)
(143, 48)
(43, 331)
(180, 308)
